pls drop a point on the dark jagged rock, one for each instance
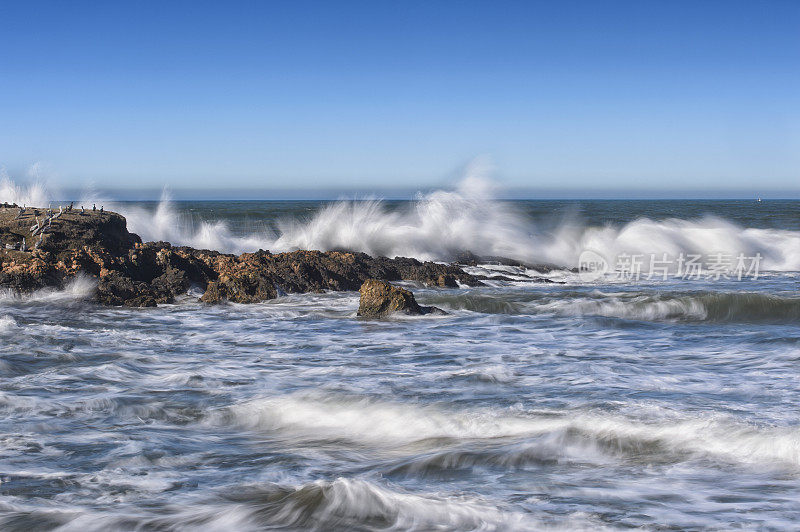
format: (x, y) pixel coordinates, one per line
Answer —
(468, 258)
(70, 231)
(114, 288)
(133, 273)
(380, 299)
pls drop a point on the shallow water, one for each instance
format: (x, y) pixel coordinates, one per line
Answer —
(582, 405)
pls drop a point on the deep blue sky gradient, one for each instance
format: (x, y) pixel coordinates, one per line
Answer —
(616, 95)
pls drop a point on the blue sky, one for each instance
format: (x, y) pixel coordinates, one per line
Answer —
(565, 95)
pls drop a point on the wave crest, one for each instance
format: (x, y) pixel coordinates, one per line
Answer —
(443, 224)
(712, 307)
(79, 288)
(584, 436)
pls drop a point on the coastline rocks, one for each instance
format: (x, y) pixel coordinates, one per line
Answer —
(380, 299)
(133, 273)
(116, 289)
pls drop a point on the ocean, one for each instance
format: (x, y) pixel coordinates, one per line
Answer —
(639, 393)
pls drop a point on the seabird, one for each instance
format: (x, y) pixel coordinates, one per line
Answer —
(22, 246)
(94, 207)
(82, 209)
(101, 208)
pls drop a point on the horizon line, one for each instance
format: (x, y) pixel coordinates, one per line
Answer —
(408, 193)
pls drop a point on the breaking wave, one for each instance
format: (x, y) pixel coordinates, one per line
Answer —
(713, 307)
(345, 504)
(582, 436)
(35, 194)
(167, 224)
(443, 224)
(78, 289)
(7, 323)
(341, 504)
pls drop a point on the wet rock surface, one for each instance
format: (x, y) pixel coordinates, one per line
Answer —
(132, 273)
(380, 299)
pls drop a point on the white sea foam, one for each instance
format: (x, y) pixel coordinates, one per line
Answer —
(167, 224)
(640, 308)
(78, 289)
(7, 323)
(441, 224)
(391, 426)
(345, 502)
(719, 307)
(340, 504)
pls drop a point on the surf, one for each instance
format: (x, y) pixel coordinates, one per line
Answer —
(646, 304)
(444, 224)
(590, 436)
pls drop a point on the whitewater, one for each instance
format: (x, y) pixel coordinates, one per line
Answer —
(441, 225)
(542, 400)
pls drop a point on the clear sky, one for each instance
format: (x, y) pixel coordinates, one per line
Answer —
(560, 94)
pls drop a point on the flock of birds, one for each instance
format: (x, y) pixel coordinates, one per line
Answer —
(45, 225)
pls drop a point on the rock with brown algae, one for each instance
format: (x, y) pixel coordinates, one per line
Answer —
(132, 273)
(380, 299)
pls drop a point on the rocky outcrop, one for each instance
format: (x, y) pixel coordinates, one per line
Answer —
(380, 299)
(133, 273)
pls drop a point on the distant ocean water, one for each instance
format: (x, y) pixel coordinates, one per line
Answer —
(629, 399)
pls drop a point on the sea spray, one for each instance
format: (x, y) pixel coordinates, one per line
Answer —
(443, 224)
(77, 289)
(530, 405)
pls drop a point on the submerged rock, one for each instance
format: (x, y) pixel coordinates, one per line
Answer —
(132, 273)
(380, 299)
